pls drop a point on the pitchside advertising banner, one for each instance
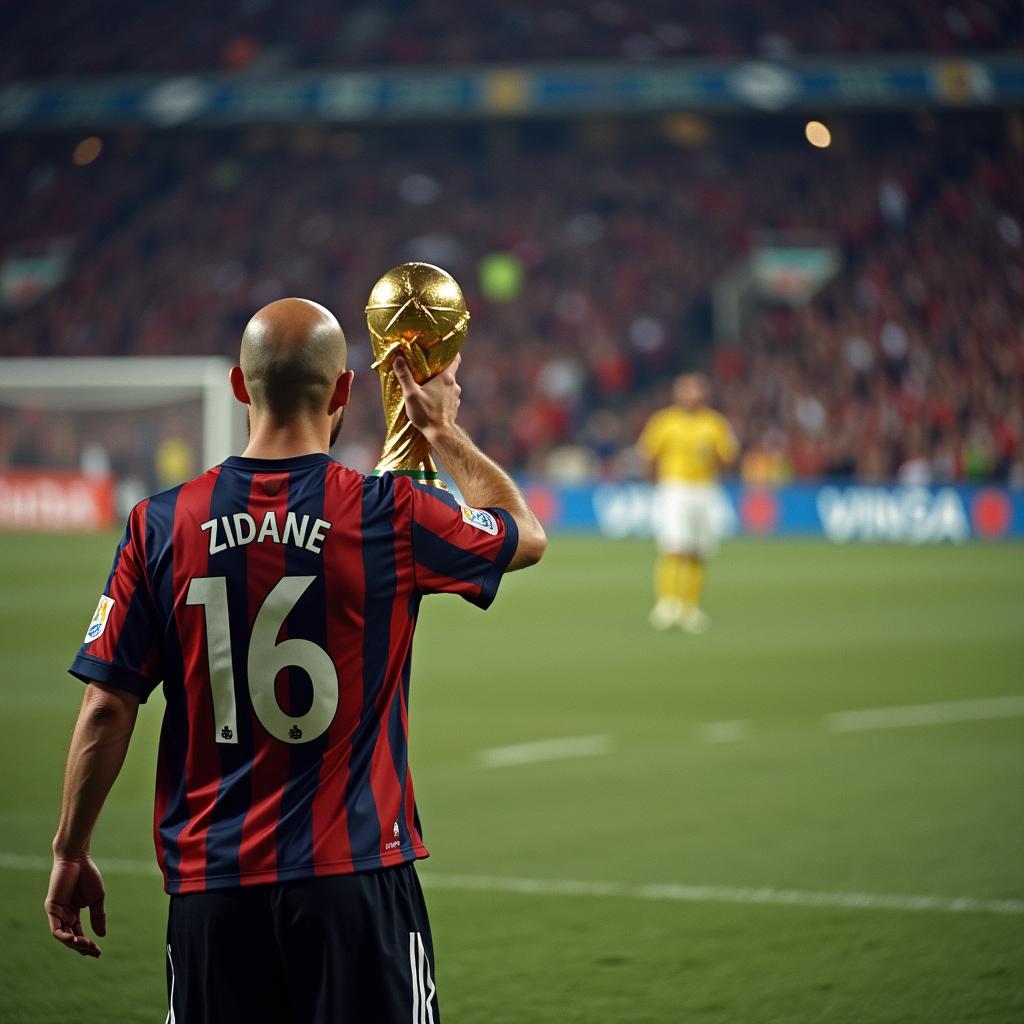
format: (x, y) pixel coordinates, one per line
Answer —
(55, 502)
(840, 512)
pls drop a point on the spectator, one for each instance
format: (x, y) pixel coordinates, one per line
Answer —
(910, 363)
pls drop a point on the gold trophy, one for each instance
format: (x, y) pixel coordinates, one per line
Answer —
(415, 310)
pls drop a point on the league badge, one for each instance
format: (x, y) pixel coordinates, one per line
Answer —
(480, 519)
(99, 619)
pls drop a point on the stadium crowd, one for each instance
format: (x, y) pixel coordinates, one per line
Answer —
(912, 363)
(115, 36)
(587, 291)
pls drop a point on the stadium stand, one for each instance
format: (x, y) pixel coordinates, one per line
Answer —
(909, 365)
(115, 37)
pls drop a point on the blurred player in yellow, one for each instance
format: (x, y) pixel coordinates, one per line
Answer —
(685, 446)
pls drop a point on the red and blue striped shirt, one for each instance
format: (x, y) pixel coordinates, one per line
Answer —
(276, 601)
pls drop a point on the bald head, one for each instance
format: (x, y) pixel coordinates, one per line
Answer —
(292, 353)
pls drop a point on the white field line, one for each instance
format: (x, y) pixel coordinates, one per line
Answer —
(925, 714)
(724, 732)
(111, 865)
(660, 893)
(677, 893)
(546, 750)
(869, 719)
(737, 730)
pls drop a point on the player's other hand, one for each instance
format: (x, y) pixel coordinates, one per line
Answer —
(433, 407)
(75, 883)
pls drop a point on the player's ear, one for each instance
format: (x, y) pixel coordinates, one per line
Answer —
(342, 391)
(238, 388)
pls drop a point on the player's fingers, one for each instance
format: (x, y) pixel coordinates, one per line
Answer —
(61, 921)
(84, 946)
(98, 918)
(405, 377)
(73, 938)
(454, 367)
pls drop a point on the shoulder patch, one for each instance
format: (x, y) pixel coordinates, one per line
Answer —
(481, 519)
(99, 619)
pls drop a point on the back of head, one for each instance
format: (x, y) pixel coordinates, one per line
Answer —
(292, 353)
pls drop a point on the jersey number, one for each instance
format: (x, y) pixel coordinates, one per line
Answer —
(265, 659)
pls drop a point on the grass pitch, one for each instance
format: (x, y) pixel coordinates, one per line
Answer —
(771, 800)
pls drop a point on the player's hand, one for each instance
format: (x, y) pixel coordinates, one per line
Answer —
(75, 883)
(433, 407)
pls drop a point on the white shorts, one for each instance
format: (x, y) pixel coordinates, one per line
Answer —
(686, 518)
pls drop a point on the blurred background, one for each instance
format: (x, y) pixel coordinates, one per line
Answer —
(828, 226)
(821, 206)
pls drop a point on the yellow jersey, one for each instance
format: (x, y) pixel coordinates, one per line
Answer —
(688, 446)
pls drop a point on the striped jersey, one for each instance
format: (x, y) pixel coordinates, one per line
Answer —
(276, 601)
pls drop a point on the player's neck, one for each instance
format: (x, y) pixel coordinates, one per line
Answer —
(270, 439)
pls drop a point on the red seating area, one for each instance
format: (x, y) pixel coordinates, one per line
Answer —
(910, 364)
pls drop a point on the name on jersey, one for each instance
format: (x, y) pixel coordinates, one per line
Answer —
(241, 529)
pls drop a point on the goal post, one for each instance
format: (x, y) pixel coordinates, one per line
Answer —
(136, 382)
(84, 439)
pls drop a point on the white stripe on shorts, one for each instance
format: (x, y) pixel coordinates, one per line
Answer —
(423, 989)
(415, 979)
(170, 1000)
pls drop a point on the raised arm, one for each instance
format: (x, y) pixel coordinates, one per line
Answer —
(432, 409)
(98, 747)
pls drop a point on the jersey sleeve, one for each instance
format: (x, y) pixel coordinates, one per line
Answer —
(457, 549)
(122, 644)
(651, 437)
(726, 445)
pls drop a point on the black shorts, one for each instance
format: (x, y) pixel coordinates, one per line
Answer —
(348, 949)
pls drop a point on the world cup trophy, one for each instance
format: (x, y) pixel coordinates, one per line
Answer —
(417, 311)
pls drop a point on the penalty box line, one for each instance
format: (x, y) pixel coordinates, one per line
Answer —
(655, 892)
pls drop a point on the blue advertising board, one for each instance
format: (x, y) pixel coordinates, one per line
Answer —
(837, 511)
(855, 82)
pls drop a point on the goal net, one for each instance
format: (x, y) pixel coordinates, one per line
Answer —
(81, 440)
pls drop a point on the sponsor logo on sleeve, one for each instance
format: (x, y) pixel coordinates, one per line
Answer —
(99, 619)
(480, 519)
